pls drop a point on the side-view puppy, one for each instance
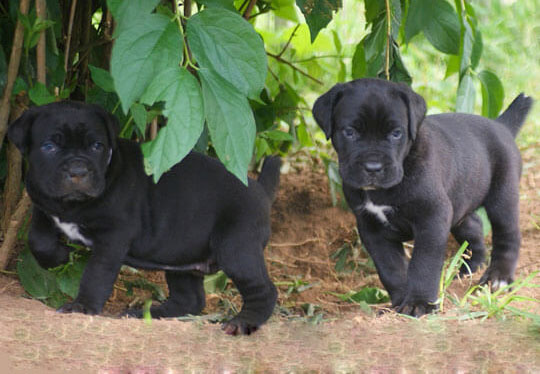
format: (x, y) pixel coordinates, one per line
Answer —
(90, 186)
(407, 176)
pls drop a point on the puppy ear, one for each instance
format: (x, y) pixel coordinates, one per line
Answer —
(19, 130)
(324, 107)
(416, 108)
(111, 124)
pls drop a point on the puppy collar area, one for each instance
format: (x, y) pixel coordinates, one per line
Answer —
(72, 231)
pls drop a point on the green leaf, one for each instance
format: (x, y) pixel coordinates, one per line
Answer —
(375, 42)
(492, 94)
(38, 282)
(227, 44)
(465, 95)
(466, 46)
(215, 283)
(139, 116)
(439, 22)
(69, 278)
(146, 45)
(486, 224)
(452, 66)
(230, 121)
(318, 13)
(373, 9)
(370, 295)
(184, 109)
(359, 68)
(225, 4)
(102, 78)
(285, 9)
(125, 11)
(277, 135)
(40, 95)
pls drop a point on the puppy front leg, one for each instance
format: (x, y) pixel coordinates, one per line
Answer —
(389, 258)
(425, 267)
(98, 279)
(44, 241)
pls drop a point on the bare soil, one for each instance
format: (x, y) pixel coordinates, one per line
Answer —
(307, 230)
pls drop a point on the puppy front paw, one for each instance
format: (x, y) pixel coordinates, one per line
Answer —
(496, 278)
(238, 326)
(416, 308)
(76, 307)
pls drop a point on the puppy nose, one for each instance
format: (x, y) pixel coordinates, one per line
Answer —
(373, 166)
(77, 171)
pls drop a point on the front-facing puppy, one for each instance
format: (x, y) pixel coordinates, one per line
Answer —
(90, 186)
(407, 176)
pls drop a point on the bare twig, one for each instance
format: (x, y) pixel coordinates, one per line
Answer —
(288, 41)
(187, 8)
(153, 128)
(41, 12)
(388, 36)
(13, 69)
(280, 59)
(249, 9)
(14, 224)
(69, 33)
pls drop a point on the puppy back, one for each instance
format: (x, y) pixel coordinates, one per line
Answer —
(269, 177)
(514, 116)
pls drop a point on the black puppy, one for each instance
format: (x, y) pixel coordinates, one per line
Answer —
(407, 176)
(91, 186)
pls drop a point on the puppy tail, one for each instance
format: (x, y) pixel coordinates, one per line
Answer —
(514, 116)
(269, 177)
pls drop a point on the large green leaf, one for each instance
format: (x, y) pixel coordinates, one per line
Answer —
(146, 45)
(358, 67)
(439, 22)
(465, 95)
(226, 43)
(230, 121)
(318, 13)
(125, 11)
(225, 4)
(184, 109)
(492, 94)
(38, 282)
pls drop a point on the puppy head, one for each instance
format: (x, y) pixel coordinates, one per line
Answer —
(372, 124)
(69, 147)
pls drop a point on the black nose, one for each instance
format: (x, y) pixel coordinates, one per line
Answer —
(77, 170)
(373, 166)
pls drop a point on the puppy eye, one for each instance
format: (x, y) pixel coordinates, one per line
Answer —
(97, 146)
(396, 134)
(349, 132)
(49, 147)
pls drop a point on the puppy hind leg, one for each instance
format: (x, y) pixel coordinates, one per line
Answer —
(186, 296)
(502, 208)
(471, 230)
(247, 270)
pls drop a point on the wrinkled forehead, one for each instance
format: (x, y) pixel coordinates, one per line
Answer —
(70, 122)
(367, 105)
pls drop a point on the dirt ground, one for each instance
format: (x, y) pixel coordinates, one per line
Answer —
(312, 330)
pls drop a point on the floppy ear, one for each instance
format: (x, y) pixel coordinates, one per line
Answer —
(111, 124)
(416, 108)
(19, 130)
(324, 107)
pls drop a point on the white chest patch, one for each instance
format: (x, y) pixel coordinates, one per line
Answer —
(71, 230)
(378, 210)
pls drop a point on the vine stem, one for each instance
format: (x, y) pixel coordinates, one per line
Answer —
(249, 9)
(388, 36)
(70, 31)
(289, 41)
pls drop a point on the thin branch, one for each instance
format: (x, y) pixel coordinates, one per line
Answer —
(249, 9)
(289, 41)
(13, 70)
(312, 58)
(154, 128)
(187, 8)
(388, 36)
(70, 31)
(14, 224)
(280, 59)
(41, 12)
